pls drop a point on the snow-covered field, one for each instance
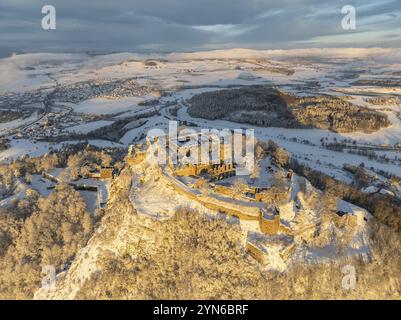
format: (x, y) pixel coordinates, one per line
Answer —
(23, 147)
(109, 106)
(88, 127)
(6, 126)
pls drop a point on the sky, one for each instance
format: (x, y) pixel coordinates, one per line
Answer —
(192, 25)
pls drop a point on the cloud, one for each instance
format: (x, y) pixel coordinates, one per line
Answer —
(188, 25)
(227, 29)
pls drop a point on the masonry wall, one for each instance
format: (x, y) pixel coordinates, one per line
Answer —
(269, 226)
(347, 220)
(226, 191)
(185, 171)
(272, 196)
(243, 212)
(106, 173)
(256, 253)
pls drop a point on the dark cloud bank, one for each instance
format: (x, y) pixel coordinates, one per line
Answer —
(189, 25)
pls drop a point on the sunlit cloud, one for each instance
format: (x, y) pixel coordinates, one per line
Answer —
(226, 29)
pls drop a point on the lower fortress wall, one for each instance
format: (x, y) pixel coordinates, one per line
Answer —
(270, 227)
(261, 256)
(212, 204)
(272, 196)
(256, 253)
(225, 191)
(215, 171)
(242, 212)
(346, 220)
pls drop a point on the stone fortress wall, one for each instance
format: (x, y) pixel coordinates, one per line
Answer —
(258, 206)
(252, 204)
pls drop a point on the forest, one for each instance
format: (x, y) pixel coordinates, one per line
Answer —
(269, 107)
